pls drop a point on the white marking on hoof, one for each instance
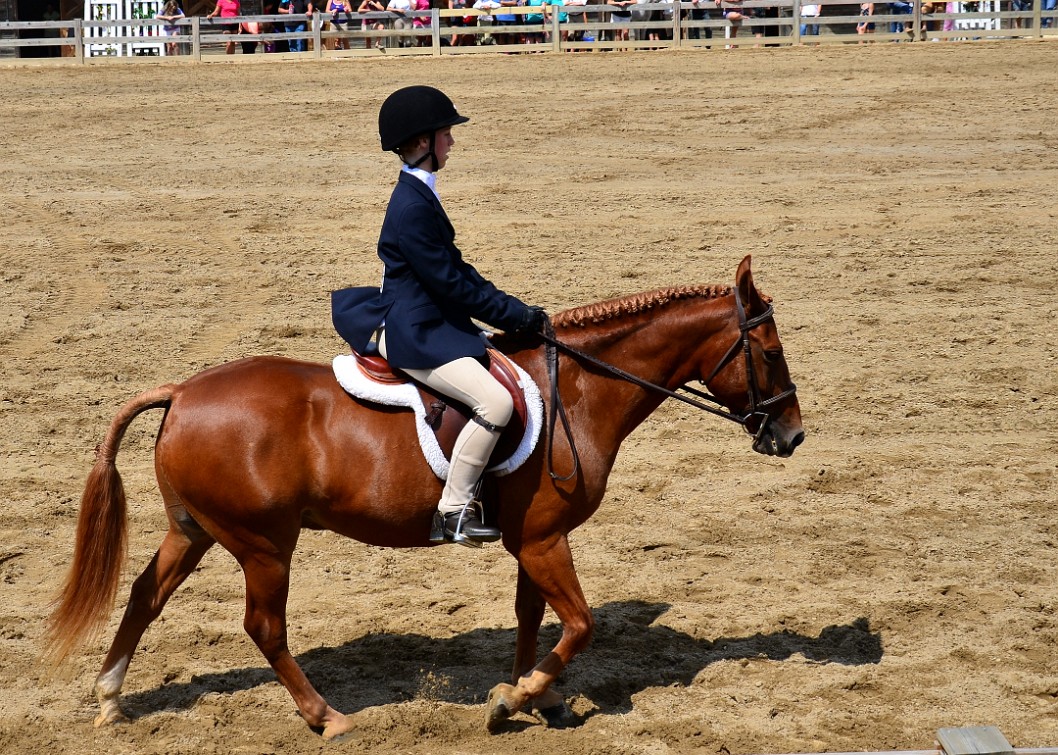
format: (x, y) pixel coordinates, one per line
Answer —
(110, 715)
(498, 708)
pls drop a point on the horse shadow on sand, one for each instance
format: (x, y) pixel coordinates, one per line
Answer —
(629, 653)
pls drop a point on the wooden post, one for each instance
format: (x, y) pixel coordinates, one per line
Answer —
(796, 11)
(677, 23)
(916, 20)
(78, 39)
(556, 30)
(196, 38)
(317, 34)
(1037, 19)
(435, 31)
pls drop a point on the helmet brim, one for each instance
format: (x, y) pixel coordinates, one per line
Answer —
(446, 123)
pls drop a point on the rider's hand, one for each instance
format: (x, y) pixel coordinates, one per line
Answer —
(533, 320)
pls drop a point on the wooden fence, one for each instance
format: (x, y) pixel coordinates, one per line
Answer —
(570, 28)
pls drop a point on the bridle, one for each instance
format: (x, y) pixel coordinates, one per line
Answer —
(758, 407)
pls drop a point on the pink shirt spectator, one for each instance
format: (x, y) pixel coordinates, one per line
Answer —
(421, 22)
(228, 8)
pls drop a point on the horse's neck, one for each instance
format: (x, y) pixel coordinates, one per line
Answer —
(659, 348)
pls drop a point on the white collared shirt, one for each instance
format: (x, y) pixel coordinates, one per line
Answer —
(428, 178)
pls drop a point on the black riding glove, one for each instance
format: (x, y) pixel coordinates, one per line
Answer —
(533, 320)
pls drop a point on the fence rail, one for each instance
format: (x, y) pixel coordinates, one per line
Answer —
(688, 24)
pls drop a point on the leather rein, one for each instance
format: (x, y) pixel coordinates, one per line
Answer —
(757, 405)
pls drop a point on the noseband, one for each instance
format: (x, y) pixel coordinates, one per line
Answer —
(758, 407)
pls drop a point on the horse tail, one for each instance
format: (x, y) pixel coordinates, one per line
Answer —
(99, 551)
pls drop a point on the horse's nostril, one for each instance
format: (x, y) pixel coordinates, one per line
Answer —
(797, 439)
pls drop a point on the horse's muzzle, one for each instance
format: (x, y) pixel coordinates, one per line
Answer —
(781, 444)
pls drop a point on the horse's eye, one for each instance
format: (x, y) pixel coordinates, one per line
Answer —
(772, 355)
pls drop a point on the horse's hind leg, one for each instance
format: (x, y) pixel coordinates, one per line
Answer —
(267, 584)
(183, 547)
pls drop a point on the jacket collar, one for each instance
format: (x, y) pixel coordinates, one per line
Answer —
(409, 180)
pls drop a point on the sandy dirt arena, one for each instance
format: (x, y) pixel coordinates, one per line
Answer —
(895, 576)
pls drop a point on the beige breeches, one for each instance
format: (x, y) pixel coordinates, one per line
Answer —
(466, 381)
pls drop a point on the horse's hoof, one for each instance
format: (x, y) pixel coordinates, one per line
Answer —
(559, 716)
(339, 728)
(340, 737)
(498, 708)
(111, 714)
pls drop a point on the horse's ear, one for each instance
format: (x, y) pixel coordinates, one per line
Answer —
(744, 276)
(747, 291)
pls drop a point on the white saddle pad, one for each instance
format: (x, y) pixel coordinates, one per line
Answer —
(356, 383)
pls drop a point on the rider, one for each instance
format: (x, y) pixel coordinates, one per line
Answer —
(420, 318)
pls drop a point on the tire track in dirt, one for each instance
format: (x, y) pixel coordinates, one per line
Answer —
(237, 304)
(74, 291)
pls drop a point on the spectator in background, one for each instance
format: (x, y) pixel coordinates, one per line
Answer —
(171, 14)
(903, 8)
(810, 20)
(374, 24)
(563, 18)
(1019, 6)
(1047, 6)
(422, 22)
(227, 9)
(865, 26)
(652, 32)
(929, 24)
(401, 9)
(622, 16)
(698, 12)
(578, 18)
(735, 15)
(270, 8)
(249, 47)
(460, 21)
(949, 23)
(487, 19)
(51, 14)
(507, 20)
(299, 12)
(337, 8)
(535, 19)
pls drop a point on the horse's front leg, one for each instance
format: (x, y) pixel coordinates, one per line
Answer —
(529, 605)
(546, 574)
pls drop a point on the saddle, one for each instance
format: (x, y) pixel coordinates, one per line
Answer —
(446, 416)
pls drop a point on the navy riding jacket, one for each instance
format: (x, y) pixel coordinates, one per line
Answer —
(428, 295)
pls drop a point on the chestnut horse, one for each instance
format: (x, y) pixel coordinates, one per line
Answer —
(251, 452)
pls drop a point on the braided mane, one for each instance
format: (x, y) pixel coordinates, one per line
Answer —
(633, 304)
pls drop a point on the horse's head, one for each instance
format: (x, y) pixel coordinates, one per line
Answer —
(751, 378)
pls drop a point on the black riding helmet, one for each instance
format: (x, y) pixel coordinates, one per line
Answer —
(413, 111)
